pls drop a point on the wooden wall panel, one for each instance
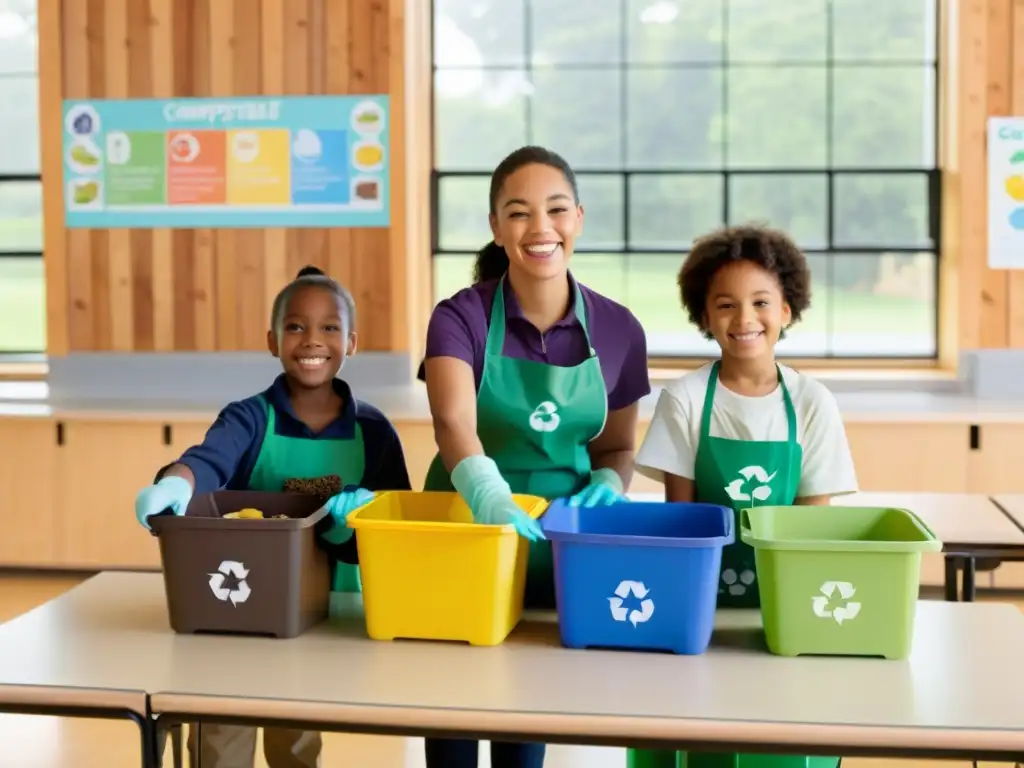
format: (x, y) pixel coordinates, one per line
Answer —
(161, 20)
(211, 290)
(250, 320)
(1015, 102)
(336, 47)
(51, 88)
(275, 240)
(412, 188)
(988, 36)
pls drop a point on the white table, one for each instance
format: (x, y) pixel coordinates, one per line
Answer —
(1012, 505)
(971, 526)
(106, 646)
(960, 694)
(87, 653)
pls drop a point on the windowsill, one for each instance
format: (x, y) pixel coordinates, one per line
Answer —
(33, 367)
(23, 367)
(882, 372)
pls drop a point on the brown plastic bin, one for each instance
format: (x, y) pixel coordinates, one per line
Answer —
(279, 582)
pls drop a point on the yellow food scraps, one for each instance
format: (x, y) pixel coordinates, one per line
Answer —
(252, 514)
(244, 514)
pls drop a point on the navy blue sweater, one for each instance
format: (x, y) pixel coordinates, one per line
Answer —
(227, 456)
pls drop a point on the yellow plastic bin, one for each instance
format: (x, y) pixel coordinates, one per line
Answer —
(430, 573)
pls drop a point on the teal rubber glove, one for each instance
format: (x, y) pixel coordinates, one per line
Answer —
(339, 507)
(605, 488)
(479, 481)
(171, 493)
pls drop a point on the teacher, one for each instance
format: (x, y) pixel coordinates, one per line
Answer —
(533, 381)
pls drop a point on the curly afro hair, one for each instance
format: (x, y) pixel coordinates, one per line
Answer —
(770, 249)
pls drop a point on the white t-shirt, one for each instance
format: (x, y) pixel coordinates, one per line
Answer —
(672, 438)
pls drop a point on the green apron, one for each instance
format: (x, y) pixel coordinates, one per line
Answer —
(739, 474)
(535, 421)
(742, 474)
(282, 458)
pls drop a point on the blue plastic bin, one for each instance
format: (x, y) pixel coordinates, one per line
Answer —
(638, 575)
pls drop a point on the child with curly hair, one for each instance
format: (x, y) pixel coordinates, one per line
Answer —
(745, 431)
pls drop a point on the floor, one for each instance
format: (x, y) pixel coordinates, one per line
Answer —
(49, 742)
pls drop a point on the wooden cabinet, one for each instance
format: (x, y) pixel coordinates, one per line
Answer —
(102, 465)
(417, 438)
(995, 469)
(995, 463)
(911, 457)
(28, 492)
(67, 488)
(183, 436)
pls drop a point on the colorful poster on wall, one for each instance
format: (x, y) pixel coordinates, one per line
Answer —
(307, 161)
(1006, 192)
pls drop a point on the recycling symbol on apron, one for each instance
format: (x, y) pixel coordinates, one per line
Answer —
(545, 417)
(759, 481)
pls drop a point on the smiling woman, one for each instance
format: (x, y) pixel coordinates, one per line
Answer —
(533, 381)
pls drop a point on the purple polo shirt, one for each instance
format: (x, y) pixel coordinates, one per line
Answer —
(458, 328)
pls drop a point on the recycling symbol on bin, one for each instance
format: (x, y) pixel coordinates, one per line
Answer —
(827, 604)
(636, 590)
(228, 582)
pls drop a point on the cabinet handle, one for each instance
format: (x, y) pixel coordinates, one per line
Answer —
(60, 433)
(975, 437)
(167, 434)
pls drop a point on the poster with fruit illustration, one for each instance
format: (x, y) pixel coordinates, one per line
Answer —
(306, 161)
(1006, 192)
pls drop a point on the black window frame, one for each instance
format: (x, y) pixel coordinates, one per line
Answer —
(9, 355)
(933, 173)
(22, 178)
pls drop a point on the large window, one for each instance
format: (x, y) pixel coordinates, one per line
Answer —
(22, 291)
(817, 116)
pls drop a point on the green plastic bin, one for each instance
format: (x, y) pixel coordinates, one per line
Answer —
(838, 581)
(649, 758)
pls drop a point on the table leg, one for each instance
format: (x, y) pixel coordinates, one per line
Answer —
(968, 585)
(952, 569)
(174, 733)
(177, 744)
(151, 750)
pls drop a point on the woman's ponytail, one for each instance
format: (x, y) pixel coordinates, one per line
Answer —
(491, 263)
